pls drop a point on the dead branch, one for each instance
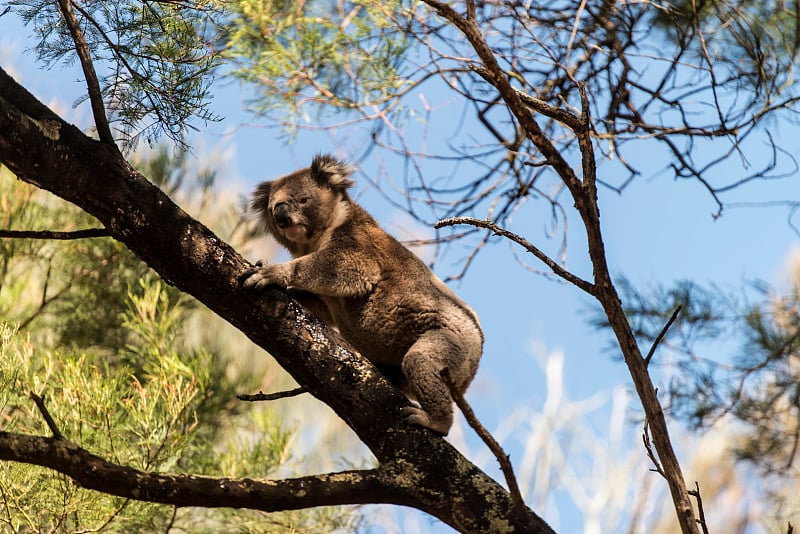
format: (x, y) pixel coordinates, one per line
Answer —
(260, 396)
(502, 458)
(650, 453)
(701, 514)
(54, 234)
(51, 424)
(489, 225)
(565, 117)
(662, 334)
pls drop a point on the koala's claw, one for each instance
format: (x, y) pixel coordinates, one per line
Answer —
(244, 277)
(253, 277)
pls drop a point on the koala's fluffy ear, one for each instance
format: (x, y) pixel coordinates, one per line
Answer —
(260, 199)
(327, 170)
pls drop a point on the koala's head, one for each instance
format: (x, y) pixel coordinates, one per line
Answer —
(298, 207)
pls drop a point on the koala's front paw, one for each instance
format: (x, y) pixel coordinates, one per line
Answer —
(261, 276)
(418, 416)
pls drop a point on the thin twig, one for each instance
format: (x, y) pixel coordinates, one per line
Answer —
(662, 334)
(497, 450)
(51, 424)
(650, 453)
(260, 396)
(92, 84)
(54, 234)
(489, 225)
(563, 116)
(702, 516)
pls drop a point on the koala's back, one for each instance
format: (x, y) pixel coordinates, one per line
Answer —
(406, 299)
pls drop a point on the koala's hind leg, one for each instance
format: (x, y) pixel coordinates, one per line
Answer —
(422, 366)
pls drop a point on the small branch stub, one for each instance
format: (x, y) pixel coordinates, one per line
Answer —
(702, 516)
(51, 424)
(661, 335)
(260, 396)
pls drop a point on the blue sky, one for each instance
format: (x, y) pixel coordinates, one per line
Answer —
(658, 231)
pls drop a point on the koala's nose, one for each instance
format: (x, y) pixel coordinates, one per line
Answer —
(283, 217)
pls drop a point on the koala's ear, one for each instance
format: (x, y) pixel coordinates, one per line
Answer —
(260, 200)
(327, 170)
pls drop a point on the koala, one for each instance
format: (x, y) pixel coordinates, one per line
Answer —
(380, 296)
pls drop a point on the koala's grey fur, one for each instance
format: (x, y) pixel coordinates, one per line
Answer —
(383, 299)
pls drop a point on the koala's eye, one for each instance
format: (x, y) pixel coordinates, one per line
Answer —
(303, 200)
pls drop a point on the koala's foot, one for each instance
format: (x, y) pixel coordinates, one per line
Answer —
(417, 415)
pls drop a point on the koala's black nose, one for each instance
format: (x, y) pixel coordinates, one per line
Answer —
(283, 217)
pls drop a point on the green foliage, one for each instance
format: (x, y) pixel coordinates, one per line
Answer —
(62, 290)
(158, 66)
(343, 55)
(107, 345)
(763, 37)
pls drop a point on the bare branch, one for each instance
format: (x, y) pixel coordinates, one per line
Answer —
(702, 515)
(661, 334)
(563, 116)
(51, 424)
(92, 83)
(649, 448)
(95, 473)
(502, 458)
(489, 225)
(272, 396)
(54, 234)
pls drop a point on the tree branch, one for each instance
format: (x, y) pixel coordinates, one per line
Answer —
(92, 83)
(661, 334)
(563, 116)
(272, 396)
(502, 458)
(92, 472)
(54, 234)
(489, 225)
(649, 448)
(51, 424)
(701, 514)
